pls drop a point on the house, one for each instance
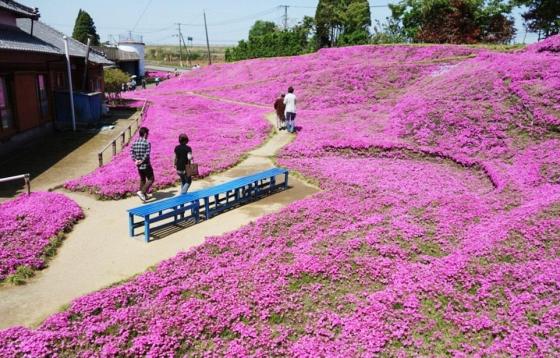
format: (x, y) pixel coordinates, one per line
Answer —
(32, 69)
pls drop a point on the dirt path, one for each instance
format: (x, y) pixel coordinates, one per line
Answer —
(59, 157)
(98, 252)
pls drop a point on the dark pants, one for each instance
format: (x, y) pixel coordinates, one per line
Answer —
(146, 179)
(185, 181)
(291, 118)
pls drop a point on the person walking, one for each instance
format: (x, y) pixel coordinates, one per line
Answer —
(183, 156)
(140, 152)
(290, 102)
(280, 108)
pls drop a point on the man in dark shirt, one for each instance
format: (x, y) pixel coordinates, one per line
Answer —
(183, 156)
(140, 152)
(280, 107)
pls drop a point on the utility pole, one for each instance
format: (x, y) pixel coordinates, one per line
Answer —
(187, 51)
(285, 16)
(180, 48)
(207, 41)
(85, 78)
(71, 91)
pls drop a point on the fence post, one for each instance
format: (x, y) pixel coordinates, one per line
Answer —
(27, 183)
(100, 156)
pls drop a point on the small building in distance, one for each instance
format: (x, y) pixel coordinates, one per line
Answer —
(134, 43)
(127, 61)
(32, 69)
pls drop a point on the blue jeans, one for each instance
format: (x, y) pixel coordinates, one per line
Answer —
(185, 181)
(290, 120)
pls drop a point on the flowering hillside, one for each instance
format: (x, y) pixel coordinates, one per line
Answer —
(28, 226)
(437, 231)
(220, 133)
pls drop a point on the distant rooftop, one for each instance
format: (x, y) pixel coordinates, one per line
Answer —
(115, 54)
(19, 10)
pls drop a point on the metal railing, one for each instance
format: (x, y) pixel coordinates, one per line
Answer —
(122, 135)
(25, 177)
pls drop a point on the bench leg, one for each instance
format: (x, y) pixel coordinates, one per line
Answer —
(195, 210)
(286, 180)
(130, 225)
(207, 208)
(272, 184)
(147, 228)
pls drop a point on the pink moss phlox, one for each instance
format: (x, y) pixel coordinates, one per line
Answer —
(27, 225)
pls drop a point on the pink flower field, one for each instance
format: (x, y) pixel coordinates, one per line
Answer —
(28, 225)
(220, 133)
(437, 231)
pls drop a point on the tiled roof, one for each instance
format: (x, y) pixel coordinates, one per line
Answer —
(13, 38)
(18, 9)
(53, 37)
(115, 54)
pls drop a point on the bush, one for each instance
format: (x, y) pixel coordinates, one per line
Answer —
(114, 79)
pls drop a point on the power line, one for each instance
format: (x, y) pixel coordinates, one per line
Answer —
(142, 15)
(245, 18)
(314, 7)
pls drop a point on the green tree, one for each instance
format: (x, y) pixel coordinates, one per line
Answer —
(454, 21)
(85, 27)
(114, 79)
(262, 28)
(327, 22)
(388, 32)
(356, 20)
(266, 40)
(542, 16)
(343, 22)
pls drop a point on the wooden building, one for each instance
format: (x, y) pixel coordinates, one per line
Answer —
(32, 68)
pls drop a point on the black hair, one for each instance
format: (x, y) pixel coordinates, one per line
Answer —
(290, 89)
(143, 132)
(183, 139)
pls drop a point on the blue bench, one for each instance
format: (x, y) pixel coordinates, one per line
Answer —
(208, 202)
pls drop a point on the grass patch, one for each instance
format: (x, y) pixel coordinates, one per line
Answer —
(20, 277)
(305, 279)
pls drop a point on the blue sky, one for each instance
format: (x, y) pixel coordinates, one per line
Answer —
(155, 20)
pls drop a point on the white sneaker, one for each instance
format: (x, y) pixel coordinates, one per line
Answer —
(141, 195)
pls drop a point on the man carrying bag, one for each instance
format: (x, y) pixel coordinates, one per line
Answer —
(186, 169)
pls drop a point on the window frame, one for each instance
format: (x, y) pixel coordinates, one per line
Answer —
(42, 95)
(6, 94)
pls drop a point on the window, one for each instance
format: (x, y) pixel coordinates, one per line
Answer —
(6, 116)
(42, 95)
(59, 80)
